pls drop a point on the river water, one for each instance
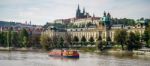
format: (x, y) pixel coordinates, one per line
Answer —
(17, 58)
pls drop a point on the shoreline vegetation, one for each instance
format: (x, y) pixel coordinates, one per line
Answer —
(18, 49)
(26, 41)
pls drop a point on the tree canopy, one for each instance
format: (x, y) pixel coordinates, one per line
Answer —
(121, 37)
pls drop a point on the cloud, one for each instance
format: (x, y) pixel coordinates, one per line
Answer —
(132, 10)
(42, 11)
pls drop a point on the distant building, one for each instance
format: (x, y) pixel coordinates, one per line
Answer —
(100, 27)
(32, 29)
(81, 18)
(62, 21)
(85, 21)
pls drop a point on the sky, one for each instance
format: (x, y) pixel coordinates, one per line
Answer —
(40, 12)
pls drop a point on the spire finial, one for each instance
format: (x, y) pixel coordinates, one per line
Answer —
(78, 6)
(104, 13)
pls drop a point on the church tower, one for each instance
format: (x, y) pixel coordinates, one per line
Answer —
(106, 19)
(83, 11)
(107, 22)
(78, 12)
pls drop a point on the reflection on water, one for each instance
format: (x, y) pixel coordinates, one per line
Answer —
(64, 59)
(16, 58)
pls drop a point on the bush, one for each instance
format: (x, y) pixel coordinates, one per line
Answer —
(148, 45)
(117, 46)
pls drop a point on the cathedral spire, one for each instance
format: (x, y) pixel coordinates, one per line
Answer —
(78, 7)
(108, 15)
(83, 10)
(78, 12)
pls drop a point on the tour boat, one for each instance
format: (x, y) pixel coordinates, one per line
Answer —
(64, 53)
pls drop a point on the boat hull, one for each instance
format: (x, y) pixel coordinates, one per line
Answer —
(64, 53)
(64, 56)
(71, 56)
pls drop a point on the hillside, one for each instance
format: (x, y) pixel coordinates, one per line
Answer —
(6, 23)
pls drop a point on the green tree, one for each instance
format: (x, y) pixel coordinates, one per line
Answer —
(4, 39)
(24, 38)
(83, 40)
(50, 44)
(74, 26)
(99, 44)
(147, 23)
(75, 40)
(91, 40)
(44, 41)
(14, 39)
(121, 37)
(147, 35)
(25, 41)
(55, 40)
(67, 40)
(61, 42)
(138, 38)
(70, 25)
(1, 39)
(35, 41)
(8, 38)
(89, 24)
(123, 21)
(131, 41)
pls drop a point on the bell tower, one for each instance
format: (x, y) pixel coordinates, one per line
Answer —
(107, 23)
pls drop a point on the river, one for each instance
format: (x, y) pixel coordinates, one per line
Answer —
(18, 58)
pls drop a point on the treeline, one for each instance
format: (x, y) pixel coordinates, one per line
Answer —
(127, 41)
(57, 25)
(132, 40)
(123, 21)
(129, 22)
(18, 39)
(6, 23)
(64, 42)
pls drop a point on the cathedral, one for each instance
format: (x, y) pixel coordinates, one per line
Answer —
(81, 14)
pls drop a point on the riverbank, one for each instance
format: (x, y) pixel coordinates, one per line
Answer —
(116, 52)
(18, 49)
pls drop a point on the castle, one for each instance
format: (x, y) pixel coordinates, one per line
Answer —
(102, 24)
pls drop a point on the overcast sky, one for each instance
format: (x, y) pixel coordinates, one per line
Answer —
(42, 11)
